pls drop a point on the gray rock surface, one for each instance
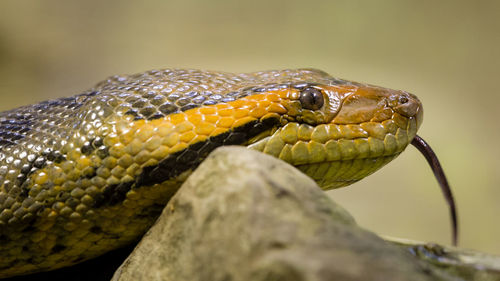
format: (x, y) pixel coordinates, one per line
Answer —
(243, 215)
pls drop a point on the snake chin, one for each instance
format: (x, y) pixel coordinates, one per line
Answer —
(336, 174)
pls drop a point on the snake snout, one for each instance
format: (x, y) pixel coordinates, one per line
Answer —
(372, 103)
(406, 104)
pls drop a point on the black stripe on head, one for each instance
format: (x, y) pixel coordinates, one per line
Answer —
(18, 123)
(184, 160)
(192, 156)
(14, 128)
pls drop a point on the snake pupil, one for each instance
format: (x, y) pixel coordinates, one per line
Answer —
(311, 98)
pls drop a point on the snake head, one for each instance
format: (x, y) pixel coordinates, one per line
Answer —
(339, 132)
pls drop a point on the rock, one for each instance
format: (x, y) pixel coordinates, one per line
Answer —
(466, 264)
(243, 215)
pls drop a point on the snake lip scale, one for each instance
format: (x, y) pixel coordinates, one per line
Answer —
(83, 175)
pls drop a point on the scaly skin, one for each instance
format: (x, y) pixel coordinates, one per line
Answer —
(83, 175)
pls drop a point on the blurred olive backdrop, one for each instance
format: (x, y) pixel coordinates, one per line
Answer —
(446, 52)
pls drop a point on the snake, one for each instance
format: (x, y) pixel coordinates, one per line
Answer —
(86, 174)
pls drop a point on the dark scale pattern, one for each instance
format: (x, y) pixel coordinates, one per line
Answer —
(32, 137)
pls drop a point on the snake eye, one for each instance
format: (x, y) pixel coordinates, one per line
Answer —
(403, 100)
(311, 98)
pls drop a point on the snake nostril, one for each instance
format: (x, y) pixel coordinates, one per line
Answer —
(407, 105)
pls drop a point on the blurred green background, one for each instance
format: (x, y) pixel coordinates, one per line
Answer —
(445, 52)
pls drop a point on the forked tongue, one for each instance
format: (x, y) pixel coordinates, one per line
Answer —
(433, 161)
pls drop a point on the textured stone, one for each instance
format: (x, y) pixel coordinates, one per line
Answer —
(243, 215)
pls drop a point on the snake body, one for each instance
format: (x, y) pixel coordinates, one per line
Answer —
(83, 175)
